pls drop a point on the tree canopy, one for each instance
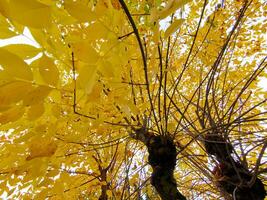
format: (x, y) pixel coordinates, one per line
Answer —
(133, 99)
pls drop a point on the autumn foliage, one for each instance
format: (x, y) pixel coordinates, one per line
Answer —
(133, 99)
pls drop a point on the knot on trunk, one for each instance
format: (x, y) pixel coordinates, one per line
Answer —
(235, 179)
(162, 152)
(215, 144)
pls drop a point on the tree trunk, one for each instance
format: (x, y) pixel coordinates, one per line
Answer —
(162, 159)
(165, 184)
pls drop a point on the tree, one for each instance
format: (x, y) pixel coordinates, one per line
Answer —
(135, 99)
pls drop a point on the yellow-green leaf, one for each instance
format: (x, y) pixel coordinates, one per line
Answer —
(41, 147)
(58, 187)
(14, 91)
(4, 10)
(24, 51)
(79, 11)
(96, 31)
(85, 52)
(48, 70)
(5, 30)
(171, 7)
(30, 13)
(11, 115)
(56, 111)
(107, 69)
(87, 77)
(173, 27)
(37, 95)
(6, 33)
(12, 66)
(95, 94)
(35, 111)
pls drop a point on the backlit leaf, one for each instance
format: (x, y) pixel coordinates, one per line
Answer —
(6, 33)
(30, 13)
(37, 95)
(41, 147)
(95, 94)
(11, 115)
(5, 29)
(13, 66)
(48, 70)
(171, 7)
(58, 187)
(24, 51)
(97, 109)
(4, 10)
(96, 31)
(107, 69)
(14, 91)
(85, 52)
(87, 77)
(116, 4)
(79, 11)
(173, 27)
(35, 111)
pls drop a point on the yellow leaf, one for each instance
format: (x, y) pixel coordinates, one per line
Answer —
(116, 4)
(101, 8)
(11, 115)
(171, 7)
(4, 107)
(87, 77)
(107, 69)
(156, 32)
(134, 179)
(56, 111)
(3, 188)
(37, 95)
(47, 2)
(30, 13)
(4, 10)
(56, 96)
(48, 70)
(109, 193)
(103, 183)
(42, 128)
(41, 147)
(58, 187)
(5, 31)
(39, 36)
(79, 11)
(173, 27)
(36, 111)
(12, 66)
(95, 94)
(13, 92)
(85, 52)
(24, 51)
(42, 194)
(96, 31)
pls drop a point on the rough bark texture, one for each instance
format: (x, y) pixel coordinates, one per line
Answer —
(162, 159)
(165, 184)
(235, 179)
(218, 146)
(231, 176)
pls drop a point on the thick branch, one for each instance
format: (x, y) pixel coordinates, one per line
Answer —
(162, 159)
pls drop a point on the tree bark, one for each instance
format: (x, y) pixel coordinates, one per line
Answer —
(162, 179)
(162, 159)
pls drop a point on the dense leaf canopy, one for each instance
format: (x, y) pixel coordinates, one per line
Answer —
(71, 106)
